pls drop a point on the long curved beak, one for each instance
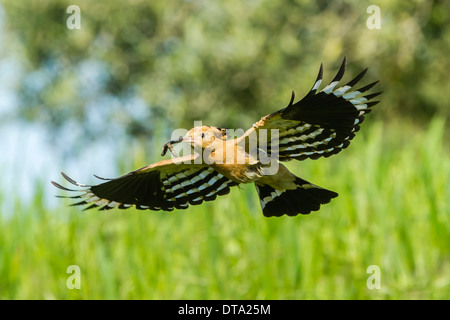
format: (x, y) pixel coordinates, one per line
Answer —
(186, 139)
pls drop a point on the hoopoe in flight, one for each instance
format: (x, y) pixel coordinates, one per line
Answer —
(319, 125)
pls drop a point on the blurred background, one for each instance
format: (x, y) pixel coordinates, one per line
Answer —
(104, 98)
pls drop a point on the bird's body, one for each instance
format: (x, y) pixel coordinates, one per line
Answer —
(319, 125)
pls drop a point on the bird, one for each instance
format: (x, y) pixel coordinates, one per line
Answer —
(321, 124)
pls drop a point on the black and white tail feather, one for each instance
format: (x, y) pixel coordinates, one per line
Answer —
(305, 198)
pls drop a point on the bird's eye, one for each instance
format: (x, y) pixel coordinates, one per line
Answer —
(203, 135)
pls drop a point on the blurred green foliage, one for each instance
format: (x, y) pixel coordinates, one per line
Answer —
(390, 212)
(226, 63)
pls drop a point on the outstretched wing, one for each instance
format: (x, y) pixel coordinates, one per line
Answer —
(320, 124)
(165, 185)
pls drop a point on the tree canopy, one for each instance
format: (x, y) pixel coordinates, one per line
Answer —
(134, 64)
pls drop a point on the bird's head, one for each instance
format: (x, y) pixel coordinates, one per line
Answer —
(200, 137)
(204, 136)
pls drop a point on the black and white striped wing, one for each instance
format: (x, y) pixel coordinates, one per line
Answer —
(321, 124)
(164, 185)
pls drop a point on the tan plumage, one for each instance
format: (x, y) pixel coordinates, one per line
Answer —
(319, 125)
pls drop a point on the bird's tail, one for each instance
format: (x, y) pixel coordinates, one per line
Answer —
(305, 198)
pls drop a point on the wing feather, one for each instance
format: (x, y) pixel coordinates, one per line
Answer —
(164, 185)
(322, 123)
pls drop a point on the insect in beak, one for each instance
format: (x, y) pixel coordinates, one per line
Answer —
(169, 145)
